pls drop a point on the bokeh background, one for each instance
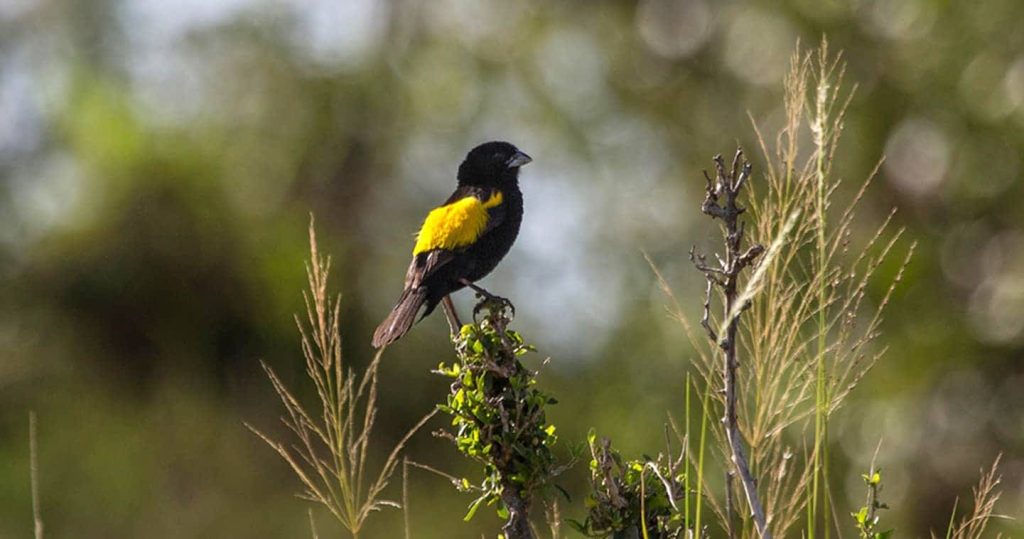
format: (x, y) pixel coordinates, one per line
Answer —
(159, 161)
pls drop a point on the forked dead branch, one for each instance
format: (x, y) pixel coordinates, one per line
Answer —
(721, 202)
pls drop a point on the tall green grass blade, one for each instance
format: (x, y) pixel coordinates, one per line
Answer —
(700, 460)
(686, 461)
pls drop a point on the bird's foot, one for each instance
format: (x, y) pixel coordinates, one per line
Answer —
(491, 302)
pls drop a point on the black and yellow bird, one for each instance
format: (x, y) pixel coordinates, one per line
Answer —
(462, 240)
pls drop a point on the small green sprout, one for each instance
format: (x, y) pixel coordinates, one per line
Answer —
(867, 516)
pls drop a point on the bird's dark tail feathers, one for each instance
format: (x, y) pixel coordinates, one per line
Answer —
(401, 318)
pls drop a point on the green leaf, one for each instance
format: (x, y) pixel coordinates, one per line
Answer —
(473, 507)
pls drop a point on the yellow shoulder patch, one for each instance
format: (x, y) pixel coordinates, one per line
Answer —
(455, 225)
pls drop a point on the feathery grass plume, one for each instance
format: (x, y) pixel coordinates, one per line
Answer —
(809, 334)
(334, 435)
(972, 526)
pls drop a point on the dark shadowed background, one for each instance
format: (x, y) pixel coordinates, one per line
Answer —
(159, 161)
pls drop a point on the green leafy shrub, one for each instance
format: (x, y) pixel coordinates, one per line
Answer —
(632, 498)
(498, 418)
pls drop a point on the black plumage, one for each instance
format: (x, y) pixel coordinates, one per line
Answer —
(490, 172)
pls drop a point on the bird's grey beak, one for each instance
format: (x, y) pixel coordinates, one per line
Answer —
(518, 159)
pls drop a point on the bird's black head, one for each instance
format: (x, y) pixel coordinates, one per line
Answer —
(492, 164)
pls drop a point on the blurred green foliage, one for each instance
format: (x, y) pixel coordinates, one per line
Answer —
(159, 160)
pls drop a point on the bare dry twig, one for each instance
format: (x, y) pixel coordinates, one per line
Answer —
(728, 184)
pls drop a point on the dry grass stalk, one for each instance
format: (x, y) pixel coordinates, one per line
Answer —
(972, 526)
(33, 456)
(334, 437)
(810, 297)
